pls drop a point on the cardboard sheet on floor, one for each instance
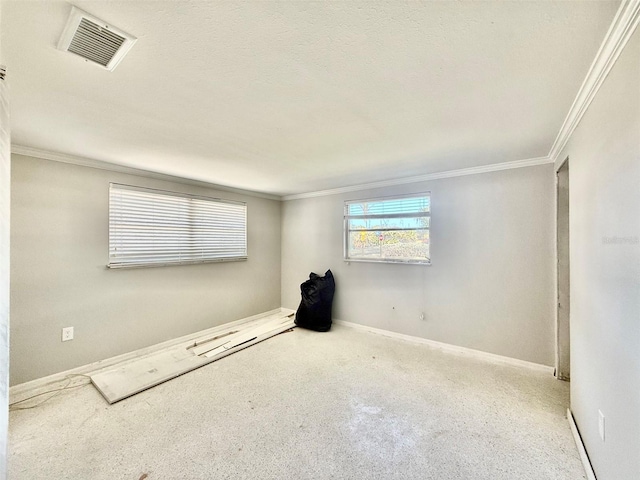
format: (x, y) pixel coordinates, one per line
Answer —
(133, 377)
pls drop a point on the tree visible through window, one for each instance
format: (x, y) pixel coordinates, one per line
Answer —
(388, 229)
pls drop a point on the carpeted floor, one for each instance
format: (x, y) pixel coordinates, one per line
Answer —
(304, 405)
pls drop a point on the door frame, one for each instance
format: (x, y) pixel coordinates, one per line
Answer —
(563, 275)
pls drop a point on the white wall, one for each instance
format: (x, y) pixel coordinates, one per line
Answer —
(604, 155)
(59, 235)
(5, 188)
(491, 284)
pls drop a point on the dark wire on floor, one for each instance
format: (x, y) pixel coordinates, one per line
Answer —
(55, 392)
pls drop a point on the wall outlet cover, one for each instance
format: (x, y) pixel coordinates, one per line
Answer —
(67, 334)
(601, 424)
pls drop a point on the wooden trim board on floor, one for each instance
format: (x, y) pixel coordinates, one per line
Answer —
(40, 385)
(242, 335)
(150, 370)
(447, 347)
(24, 390)
(586, 463)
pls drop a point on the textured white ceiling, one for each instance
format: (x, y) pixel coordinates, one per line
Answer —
(289, 97)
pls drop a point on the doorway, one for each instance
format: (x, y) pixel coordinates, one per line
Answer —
(563, 359)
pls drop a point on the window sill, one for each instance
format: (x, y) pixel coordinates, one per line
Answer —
(117, 266)
(426, 263)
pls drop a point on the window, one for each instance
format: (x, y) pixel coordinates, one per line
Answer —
(388, 229)
(153, 227)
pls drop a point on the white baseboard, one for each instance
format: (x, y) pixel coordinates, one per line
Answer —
(24, 390)
(583, 452)
(39, 385)
(455, 349)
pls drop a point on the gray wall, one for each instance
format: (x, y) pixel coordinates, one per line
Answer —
(491, 283)
(59, 236)
(604, 155)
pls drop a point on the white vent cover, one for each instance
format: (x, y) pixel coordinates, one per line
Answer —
(94, 40)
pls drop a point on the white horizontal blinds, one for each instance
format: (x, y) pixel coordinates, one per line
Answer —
(392, 214)
(402, 206)
(153, 227)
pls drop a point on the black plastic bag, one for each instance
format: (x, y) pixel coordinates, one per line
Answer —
(314, 311)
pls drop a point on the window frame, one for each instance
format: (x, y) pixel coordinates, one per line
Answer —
(346, 230)
(112, 259)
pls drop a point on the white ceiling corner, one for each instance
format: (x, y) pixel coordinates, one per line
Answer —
(494, 167)
(624, 24)
(294, 97)
(113, 167)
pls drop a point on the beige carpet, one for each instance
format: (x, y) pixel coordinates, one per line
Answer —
(304, 405)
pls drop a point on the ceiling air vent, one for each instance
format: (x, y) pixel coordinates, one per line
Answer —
(94, 40)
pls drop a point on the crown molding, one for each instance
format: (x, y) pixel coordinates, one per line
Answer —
(113, 167)
(495, 167)
(620, 31)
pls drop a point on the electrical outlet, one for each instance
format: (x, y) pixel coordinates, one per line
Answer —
(422, 316)
(601, 424)
(67, 334)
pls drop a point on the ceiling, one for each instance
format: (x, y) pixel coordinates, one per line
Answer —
(290, 97)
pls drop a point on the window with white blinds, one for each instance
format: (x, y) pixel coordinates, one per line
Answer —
(153, 227)
(392, 229)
